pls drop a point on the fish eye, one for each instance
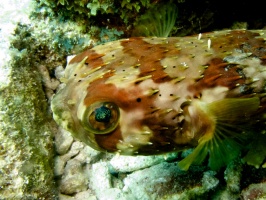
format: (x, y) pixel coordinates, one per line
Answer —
(101, 117)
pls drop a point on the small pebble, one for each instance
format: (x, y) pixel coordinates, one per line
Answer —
(74, 178)
(60, 161)
(85, 195)
(63, 141)
(88, 155)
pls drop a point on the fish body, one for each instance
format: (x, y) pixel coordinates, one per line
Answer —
(149, 95)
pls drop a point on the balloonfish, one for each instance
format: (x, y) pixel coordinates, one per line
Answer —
(153, 95)
(144, 96)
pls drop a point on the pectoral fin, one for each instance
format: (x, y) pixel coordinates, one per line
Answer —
(223, 142)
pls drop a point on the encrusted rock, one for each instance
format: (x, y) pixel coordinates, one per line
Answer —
(133, 163)
(165, 181)
(26, 128)
(254, 192)
(100, 174)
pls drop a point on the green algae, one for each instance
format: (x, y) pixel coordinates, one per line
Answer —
(84, 10)
(116, 17)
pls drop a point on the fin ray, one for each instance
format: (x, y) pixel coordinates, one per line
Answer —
(157, 21)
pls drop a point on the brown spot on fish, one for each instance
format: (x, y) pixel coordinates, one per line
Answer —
(219, 73)
(94, 59)
(125, 99)
(149, 56)
(245, 41)
(263, 60)
(108, 141)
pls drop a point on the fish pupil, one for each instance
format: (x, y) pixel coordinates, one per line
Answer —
(103, 114)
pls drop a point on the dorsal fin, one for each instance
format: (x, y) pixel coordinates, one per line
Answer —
(158, 21)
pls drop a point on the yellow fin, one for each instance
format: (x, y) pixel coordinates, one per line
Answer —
(231, 118)
(158, 21)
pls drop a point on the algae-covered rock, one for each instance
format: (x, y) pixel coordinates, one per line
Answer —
(254, 192)
(26, 128)
(26, 131)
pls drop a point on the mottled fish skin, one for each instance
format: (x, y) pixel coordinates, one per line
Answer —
(153, 81)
